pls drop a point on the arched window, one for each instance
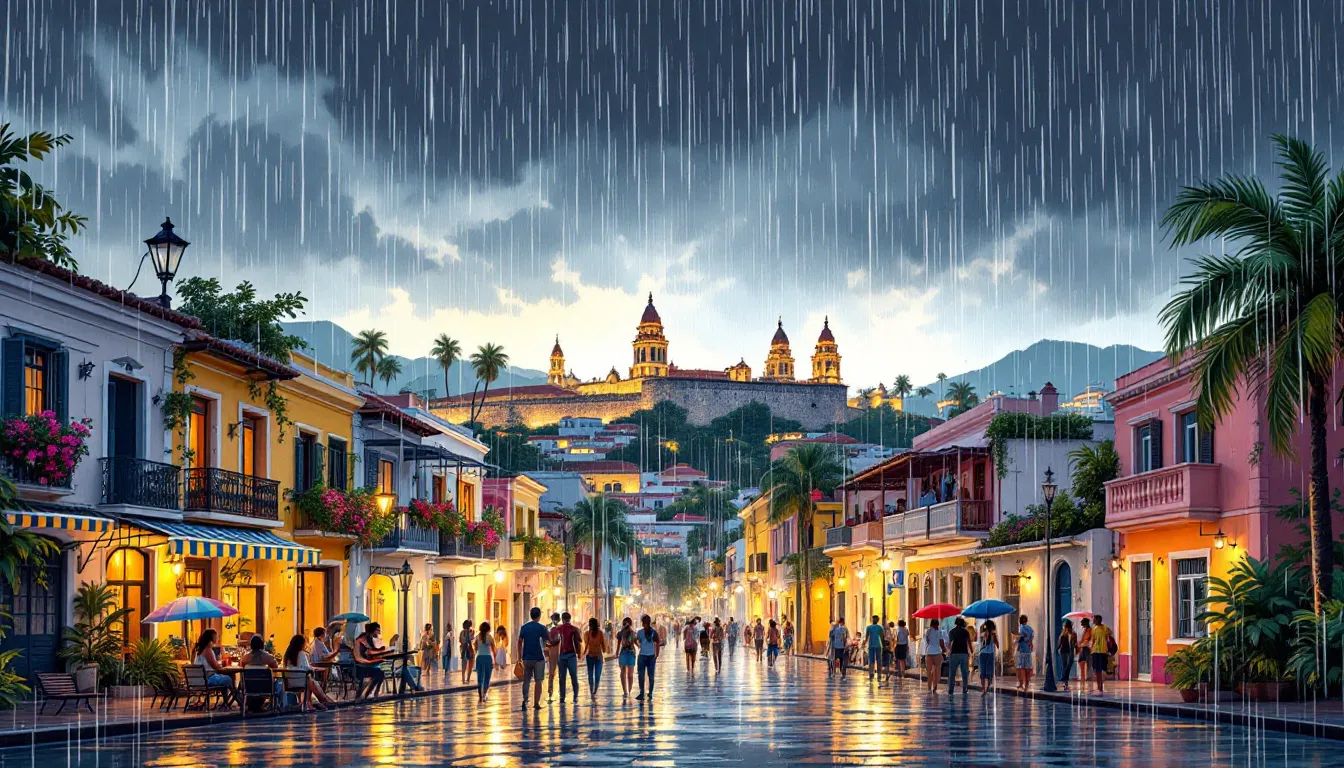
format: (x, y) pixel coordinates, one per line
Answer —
(127, 573)
(616, 487)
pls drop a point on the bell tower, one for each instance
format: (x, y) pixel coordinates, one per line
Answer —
(650, 345)
(779, 362)
(826, 357)
(556, 375)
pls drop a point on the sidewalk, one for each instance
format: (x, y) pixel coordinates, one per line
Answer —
(124, 717)
(1323, 719)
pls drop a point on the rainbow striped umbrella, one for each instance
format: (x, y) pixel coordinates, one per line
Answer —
(190, 609)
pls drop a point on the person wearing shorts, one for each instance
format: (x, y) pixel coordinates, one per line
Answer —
(532, 639)
(902, 655)
(626, 659)
(839, 642)
(1101, 653)
(772, 644)
(788, 636)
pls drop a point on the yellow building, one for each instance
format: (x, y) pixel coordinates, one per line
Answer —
(779, 361)
(771, 589)
(826, 357)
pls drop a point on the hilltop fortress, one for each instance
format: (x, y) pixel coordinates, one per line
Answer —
(818, 402)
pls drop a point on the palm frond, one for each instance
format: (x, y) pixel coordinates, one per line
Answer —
(1237, 207)
(1305, 177)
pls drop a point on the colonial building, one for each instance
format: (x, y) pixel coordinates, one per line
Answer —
(826, 357)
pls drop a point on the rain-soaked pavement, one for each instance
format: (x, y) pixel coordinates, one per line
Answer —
(748, 715)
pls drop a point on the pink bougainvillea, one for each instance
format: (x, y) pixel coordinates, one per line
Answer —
(442, 517)
(44, 448)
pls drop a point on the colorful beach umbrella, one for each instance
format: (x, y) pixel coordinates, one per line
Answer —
(1079, 615)
(937, 611)
(987, 609)
(190, 608)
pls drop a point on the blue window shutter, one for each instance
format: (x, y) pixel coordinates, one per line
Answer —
(58, 369)
(11, 378)
(371, 469)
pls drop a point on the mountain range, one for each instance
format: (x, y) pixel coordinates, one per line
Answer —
(1071, 366)
(330, 344)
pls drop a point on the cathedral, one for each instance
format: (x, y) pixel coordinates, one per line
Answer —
(706, 393)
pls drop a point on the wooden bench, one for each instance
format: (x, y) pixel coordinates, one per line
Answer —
(60, 686)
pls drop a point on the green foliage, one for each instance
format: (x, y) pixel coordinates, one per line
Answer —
(19, 547)
(886, 426)
(446, 351)
(1066, 519)
(366, 351)
(1189, 667)
(542, 550)
(819, 566)
(267, 394)
(389, 368)
(673, 572)
(1250, 614)
(32, 224)
(963, 396)
(1093, 467)
(241, 316)
(13, 688)
(793, 483)
(599, 521)
(1298, 514)
(177, 405)
(487, 362)
(509, 449)
(1028, 426)
(150, 663)
(902, 387)
(96, 637)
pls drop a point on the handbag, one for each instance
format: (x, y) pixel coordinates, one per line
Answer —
(518, 670)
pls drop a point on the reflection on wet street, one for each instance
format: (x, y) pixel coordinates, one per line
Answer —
(748, 714)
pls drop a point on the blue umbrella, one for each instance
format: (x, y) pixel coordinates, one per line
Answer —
(987, 609)
(354, 616)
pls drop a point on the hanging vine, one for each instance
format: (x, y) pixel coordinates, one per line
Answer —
(270, 397)
(176, 406)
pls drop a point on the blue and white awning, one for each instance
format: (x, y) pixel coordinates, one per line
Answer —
(197, 540)
(60, 518)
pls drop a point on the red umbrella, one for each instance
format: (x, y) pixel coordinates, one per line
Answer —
(937, 611)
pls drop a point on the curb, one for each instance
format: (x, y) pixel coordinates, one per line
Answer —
(51, 734)
(1269, 722)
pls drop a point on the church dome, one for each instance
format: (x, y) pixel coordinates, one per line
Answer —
(780, 336)
(556, 351)
(826, 335)
(650, 313)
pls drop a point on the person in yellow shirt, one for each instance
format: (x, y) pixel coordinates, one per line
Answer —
(1102, 643)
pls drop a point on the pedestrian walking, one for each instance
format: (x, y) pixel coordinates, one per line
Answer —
(773, 637)
(429, 649)
(1026, 649)
(552, 657)
(467, 644)
(565, 637)
(1103, 646)
(689, 645)
(716, 635)
(649, 647)
(733, 631)
(1085, 652)
(704, 640)
(989, 655)
(839, 646)
(935, 647)
(888, 647)
(627, 647)
(758, 638)
(959, 647)
(872, 635)
(594, 654)
(501, 647)
(676, 631)
(1067, 649)
(485, 661)
(902, 655)
(788, 636)
(532, 639)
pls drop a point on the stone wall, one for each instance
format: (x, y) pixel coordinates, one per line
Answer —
(539, 412)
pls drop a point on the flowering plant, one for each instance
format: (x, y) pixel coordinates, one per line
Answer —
(352, 513)
(442, 517)
(43, 447)
(481, 534)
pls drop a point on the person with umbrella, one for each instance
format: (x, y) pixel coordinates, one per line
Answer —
(935, 647)
(989, 654)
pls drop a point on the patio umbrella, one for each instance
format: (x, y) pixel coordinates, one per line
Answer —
(987, 609)
(190, 609)
(1079, 615)
(354, 616)
(937, 611)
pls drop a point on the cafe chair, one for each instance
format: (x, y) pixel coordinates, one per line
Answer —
(257, 683)
(197, 690)
(296, 684)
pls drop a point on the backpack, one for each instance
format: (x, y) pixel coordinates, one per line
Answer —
(1111, 647)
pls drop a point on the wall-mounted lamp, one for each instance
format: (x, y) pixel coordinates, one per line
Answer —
(85, 370)
(1116, 563)
(1219, 538)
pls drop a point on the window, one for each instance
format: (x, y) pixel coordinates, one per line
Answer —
(1012, 592)
(337, 464)
(1196, 443)
(976, 591)
(35, 388)
(198, 432)
(439, 489)
(307, 462)
(252, 449)
(1148, 447)
(251, 616)
(126, 574)
(386, 476)
(1192, 587)
(34, 378)
(466, 499)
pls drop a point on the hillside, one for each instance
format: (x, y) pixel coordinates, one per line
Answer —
(1070, 365)
(330, 343)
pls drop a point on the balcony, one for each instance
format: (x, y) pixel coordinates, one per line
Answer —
(456, 546)
(28, 486)
(140, 483)
(839, 538)
(410, 535)
(583, 563)
(1171, 494)
(218, 491)
(306, 527)
(948, 521)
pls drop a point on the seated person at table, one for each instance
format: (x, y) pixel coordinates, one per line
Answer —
(321, 653)
(258, 658)
(297, 658)
(206, 657)
(366, 661)
(410, 674)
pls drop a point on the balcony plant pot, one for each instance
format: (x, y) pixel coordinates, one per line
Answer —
(1268, 692)
(86, 678)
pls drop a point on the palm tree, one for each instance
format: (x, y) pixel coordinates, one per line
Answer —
(388, 369)
(446, 351)
(487, 362)
(19, 547)
(795, 482)
(942, 389)
(599, 522)
(1268, 315)
(963, 394)
(366, 350)
(902, 388)
(923, 392)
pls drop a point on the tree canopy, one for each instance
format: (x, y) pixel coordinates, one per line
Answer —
(242, 316)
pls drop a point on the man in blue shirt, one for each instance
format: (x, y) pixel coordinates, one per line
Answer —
(532, 638)
(873, 635)
(648, 654)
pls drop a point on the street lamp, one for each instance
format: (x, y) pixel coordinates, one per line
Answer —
(499, 575)
(384, 502)
(406, 574)
(1048, 489)
(165, 250)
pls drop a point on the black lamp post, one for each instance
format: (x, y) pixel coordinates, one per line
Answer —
(405, 575)
(165, 250)
(1048, 489)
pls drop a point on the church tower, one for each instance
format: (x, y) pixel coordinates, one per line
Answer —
(556, 375)
(779, 363)
(826, 357)
(650, 345)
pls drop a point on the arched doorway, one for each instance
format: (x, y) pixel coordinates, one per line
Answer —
(381, 604)
(34, 624)
(1063, 595)
(128, 574)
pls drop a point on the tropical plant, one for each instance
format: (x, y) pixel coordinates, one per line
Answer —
(963, 395)
(1316, 661)
(1188, 668)
(96, 637)
(795, 483)
(487, 362)
(351, 513)
(1029, 426)
(150, 663)
(942, 386)
(599, 523)
(1091, 468)
(47, 449)
(902, 387)
(445, 352)
(923, 392)
(241, 316)
(389, 368)
(367, 349)
(1268, 315)
(1249, 615)
(19, 547)
(13, 688)
(32, 224)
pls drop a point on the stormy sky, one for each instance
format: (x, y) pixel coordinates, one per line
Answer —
(947, 181)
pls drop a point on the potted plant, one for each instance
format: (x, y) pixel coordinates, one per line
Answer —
(92, 647)
(1250, 615)
(44, 450)
(148, 666)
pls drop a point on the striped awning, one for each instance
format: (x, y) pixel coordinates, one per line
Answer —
(59, 518)
(197, 540)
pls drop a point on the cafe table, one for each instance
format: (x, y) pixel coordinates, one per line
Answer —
(404, 657)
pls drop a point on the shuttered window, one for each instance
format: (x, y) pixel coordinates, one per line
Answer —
(337, 463)
(34, 377)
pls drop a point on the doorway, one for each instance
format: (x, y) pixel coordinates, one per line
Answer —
(315, 585)
(1063, 595)
(1143, 616)
(33, 626)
